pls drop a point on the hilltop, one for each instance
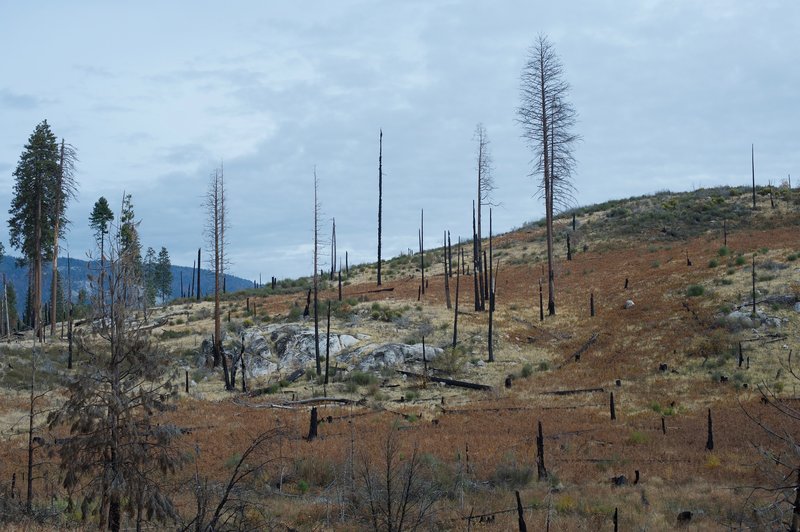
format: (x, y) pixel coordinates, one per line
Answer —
(673, 338)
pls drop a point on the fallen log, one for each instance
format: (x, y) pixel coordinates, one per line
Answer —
(572, 392)
(374, 291)
(577, 354)
(296, 374)
(449, 382)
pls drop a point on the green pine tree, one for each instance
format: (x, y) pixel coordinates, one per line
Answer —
(33, 212)
(164, 275)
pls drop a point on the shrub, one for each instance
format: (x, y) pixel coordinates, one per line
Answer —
(724, 251)
(695, 290)
(637, 437)
(362, 378)
(527, 370)
(511, 474)
(713, 263)
(740, 260)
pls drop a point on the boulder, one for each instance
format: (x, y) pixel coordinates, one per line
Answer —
(629, 304)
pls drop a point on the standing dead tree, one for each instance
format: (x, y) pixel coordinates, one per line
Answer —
(215, 237)
(64, 191)
(380, 200)
(547, 118)
(315, 280)
(483, 166)
(422, 248)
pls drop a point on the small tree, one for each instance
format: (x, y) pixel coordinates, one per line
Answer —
(396, 493)
(164, 275)
(99, 221)
(120, 449)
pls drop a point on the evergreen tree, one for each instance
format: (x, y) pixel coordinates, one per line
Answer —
(13, 315)
(33, 214)
(150, 274)
(163, 277)
(99, 220)
(121, 447)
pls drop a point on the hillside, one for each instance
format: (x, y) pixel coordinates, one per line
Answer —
(673, 343)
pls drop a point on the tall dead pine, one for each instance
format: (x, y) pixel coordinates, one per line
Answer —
(380, 200)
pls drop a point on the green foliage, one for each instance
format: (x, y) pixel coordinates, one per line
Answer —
(386, 313)
(510, 473)
(100, 218)
(724, 251)
(695, 290)
(740, 260)
(362, 378)
(527, 370)
(637, 437)
(713, 263)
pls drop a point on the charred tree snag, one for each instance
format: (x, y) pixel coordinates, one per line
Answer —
(312, 429)
(380, 200)
(541, 302)
(569, 249)
(754, 285)
(455, 313)
(328, 343)
(710, 440)
(753, 168)
(422, 248)
(241, 361)
(340, 282)
(198, 275)
(446, 276)
(449, 256)
(476, 277)
(541, 470)
(591, 304)
(449, 382)
(520, 514)
(613, 409)
(616, 520)
(315, 283)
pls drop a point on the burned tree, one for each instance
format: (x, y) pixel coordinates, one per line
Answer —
(483, 166)
(380, 200)
(315, 280)
(547, 118)
(216, 228)
(64, 191)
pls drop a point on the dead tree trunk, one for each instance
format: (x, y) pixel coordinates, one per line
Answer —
(710, 440)
(754, 285)
(753, 168)
(422, 248)
(241, 361)
(477, 278)
(613, 409)
(328, 343)
(569, 248)
(446, 276)
(541, 470)
(541, 301)
(312, 429)
(380, 200)
(520, 514)
(198, 275)
(458, 282)
(449, 256)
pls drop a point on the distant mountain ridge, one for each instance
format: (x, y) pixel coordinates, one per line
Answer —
(81, 269)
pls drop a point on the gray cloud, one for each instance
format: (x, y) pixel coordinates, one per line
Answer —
(15, 100)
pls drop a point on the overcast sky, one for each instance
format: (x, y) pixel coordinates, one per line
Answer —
(154, 95)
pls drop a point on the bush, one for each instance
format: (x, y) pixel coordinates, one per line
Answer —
(527, 370)
(724, 251)
(740, 260)
(713, 263)
(511, 474)
(695, 290)
(362, 378)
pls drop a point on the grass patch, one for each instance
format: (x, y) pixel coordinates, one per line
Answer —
(695, 290)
